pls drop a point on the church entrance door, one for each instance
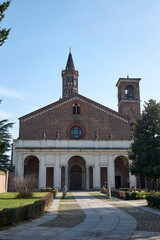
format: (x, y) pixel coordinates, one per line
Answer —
(76, 178)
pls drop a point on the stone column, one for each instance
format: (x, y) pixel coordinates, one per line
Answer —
(111, 172)
(96, 174)
(87, 177)
(66, 176)
(56, 173)
(132, 180)
(42, 172)
(60, 170)
(20, 166)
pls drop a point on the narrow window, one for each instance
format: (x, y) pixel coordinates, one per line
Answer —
(76, 109)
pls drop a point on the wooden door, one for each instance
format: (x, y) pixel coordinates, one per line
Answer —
(76, 178)
(49, 176)
(90, 177)
(117, 181)
(104, 178)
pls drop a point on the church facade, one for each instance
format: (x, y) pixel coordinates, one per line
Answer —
(78, 142)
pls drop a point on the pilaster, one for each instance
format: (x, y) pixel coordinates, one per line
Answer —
(87, 177)
(96, 174)
(111, 172)
(66, 176)
(132, 180)
(42, 171)
(57, 182)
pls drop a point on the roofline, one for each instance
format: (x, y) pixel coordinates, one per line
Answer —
(127, 80)
(67, 99)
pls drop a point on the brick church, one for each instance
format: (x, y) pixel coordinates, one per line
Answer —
(78, 142)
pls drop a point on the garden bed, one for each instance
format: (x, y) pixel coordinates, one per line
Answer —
(23, 209)
(129, 194)
(9, 200)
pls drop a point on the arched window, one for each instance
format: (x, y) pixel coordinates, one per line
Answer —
(76, 109)
(76, 132)
(129, 92)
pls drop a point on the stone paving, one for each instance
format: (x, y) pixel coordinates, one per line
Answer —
(103, 221)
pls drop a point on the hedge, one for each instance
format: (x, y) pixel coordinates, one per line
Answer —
(153, 201)
(129, 195)
(9, 216)
(54, 190)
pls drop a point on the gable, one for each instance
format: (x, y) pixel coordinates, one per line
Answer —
(75, 97)
(95, 121)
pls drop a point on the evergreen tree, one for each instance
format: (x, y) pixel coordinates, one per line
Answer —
(3, 31)
(145, 149)
(5, 146)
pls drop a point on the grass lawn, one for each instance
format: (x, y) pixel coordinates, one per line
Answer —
(100, 196)
(8, 200)
(69, 198)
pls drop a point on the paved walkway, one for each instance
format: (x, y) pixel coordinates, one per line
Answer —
(103, 221)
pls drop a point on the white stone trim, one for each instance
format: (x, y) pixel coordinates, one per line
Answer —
(69, 100)
(70, 144)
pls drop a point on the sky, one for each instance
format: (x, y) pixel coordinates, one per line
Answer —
(109, 39)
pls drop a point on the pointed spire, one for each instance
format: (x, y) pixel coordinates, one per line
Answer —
(69, 78)
(70, 63)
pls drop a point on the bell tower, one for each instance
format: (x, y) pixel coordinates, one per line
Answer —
(129, 98)
(69, 78)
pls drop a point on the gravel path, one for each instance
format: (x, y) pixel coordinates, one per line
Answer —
(146, 221)
(70, 214)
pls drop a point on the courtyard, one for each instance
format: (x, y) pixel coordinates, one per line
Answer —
(90, 215)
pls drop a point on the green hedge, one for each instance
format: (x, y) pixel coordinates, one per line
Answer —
(9, 216)
(153, 201)
(129, 195)
(53, 190)
(46, 189)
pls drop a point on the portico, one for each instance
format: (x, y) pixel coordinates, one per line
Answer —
(73, 164)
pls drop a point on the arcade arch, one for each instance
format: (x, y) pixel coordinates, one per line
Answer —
(121, 172)
(31, 167)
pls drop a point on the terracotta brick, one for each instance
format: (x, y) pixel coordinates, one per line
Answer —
(92, 118)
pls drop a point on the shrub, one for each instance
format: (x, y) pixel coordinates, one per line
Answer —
(103, 190)
(153, 201)
(133, 195)
(56, 190)
(11, 216)
(115, 193)
(47, 199)
(46, 189)
(142, 195)
(125, 189)
(27, 184)
(53, 190)
(24, 195)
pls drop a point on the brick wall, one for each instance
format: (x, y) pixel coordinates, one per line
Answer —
(3, 181)
(62, 119)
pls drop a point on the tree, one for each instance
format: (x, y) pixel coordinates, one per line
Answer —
(3, 31)
(5, 146)
(145, 148)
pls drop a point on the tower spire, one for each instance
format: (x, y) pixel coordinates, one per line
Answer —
(69, 78)
(70, 63)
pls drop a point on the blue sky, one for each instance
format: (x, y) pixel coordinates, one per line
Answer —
(109, 39)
